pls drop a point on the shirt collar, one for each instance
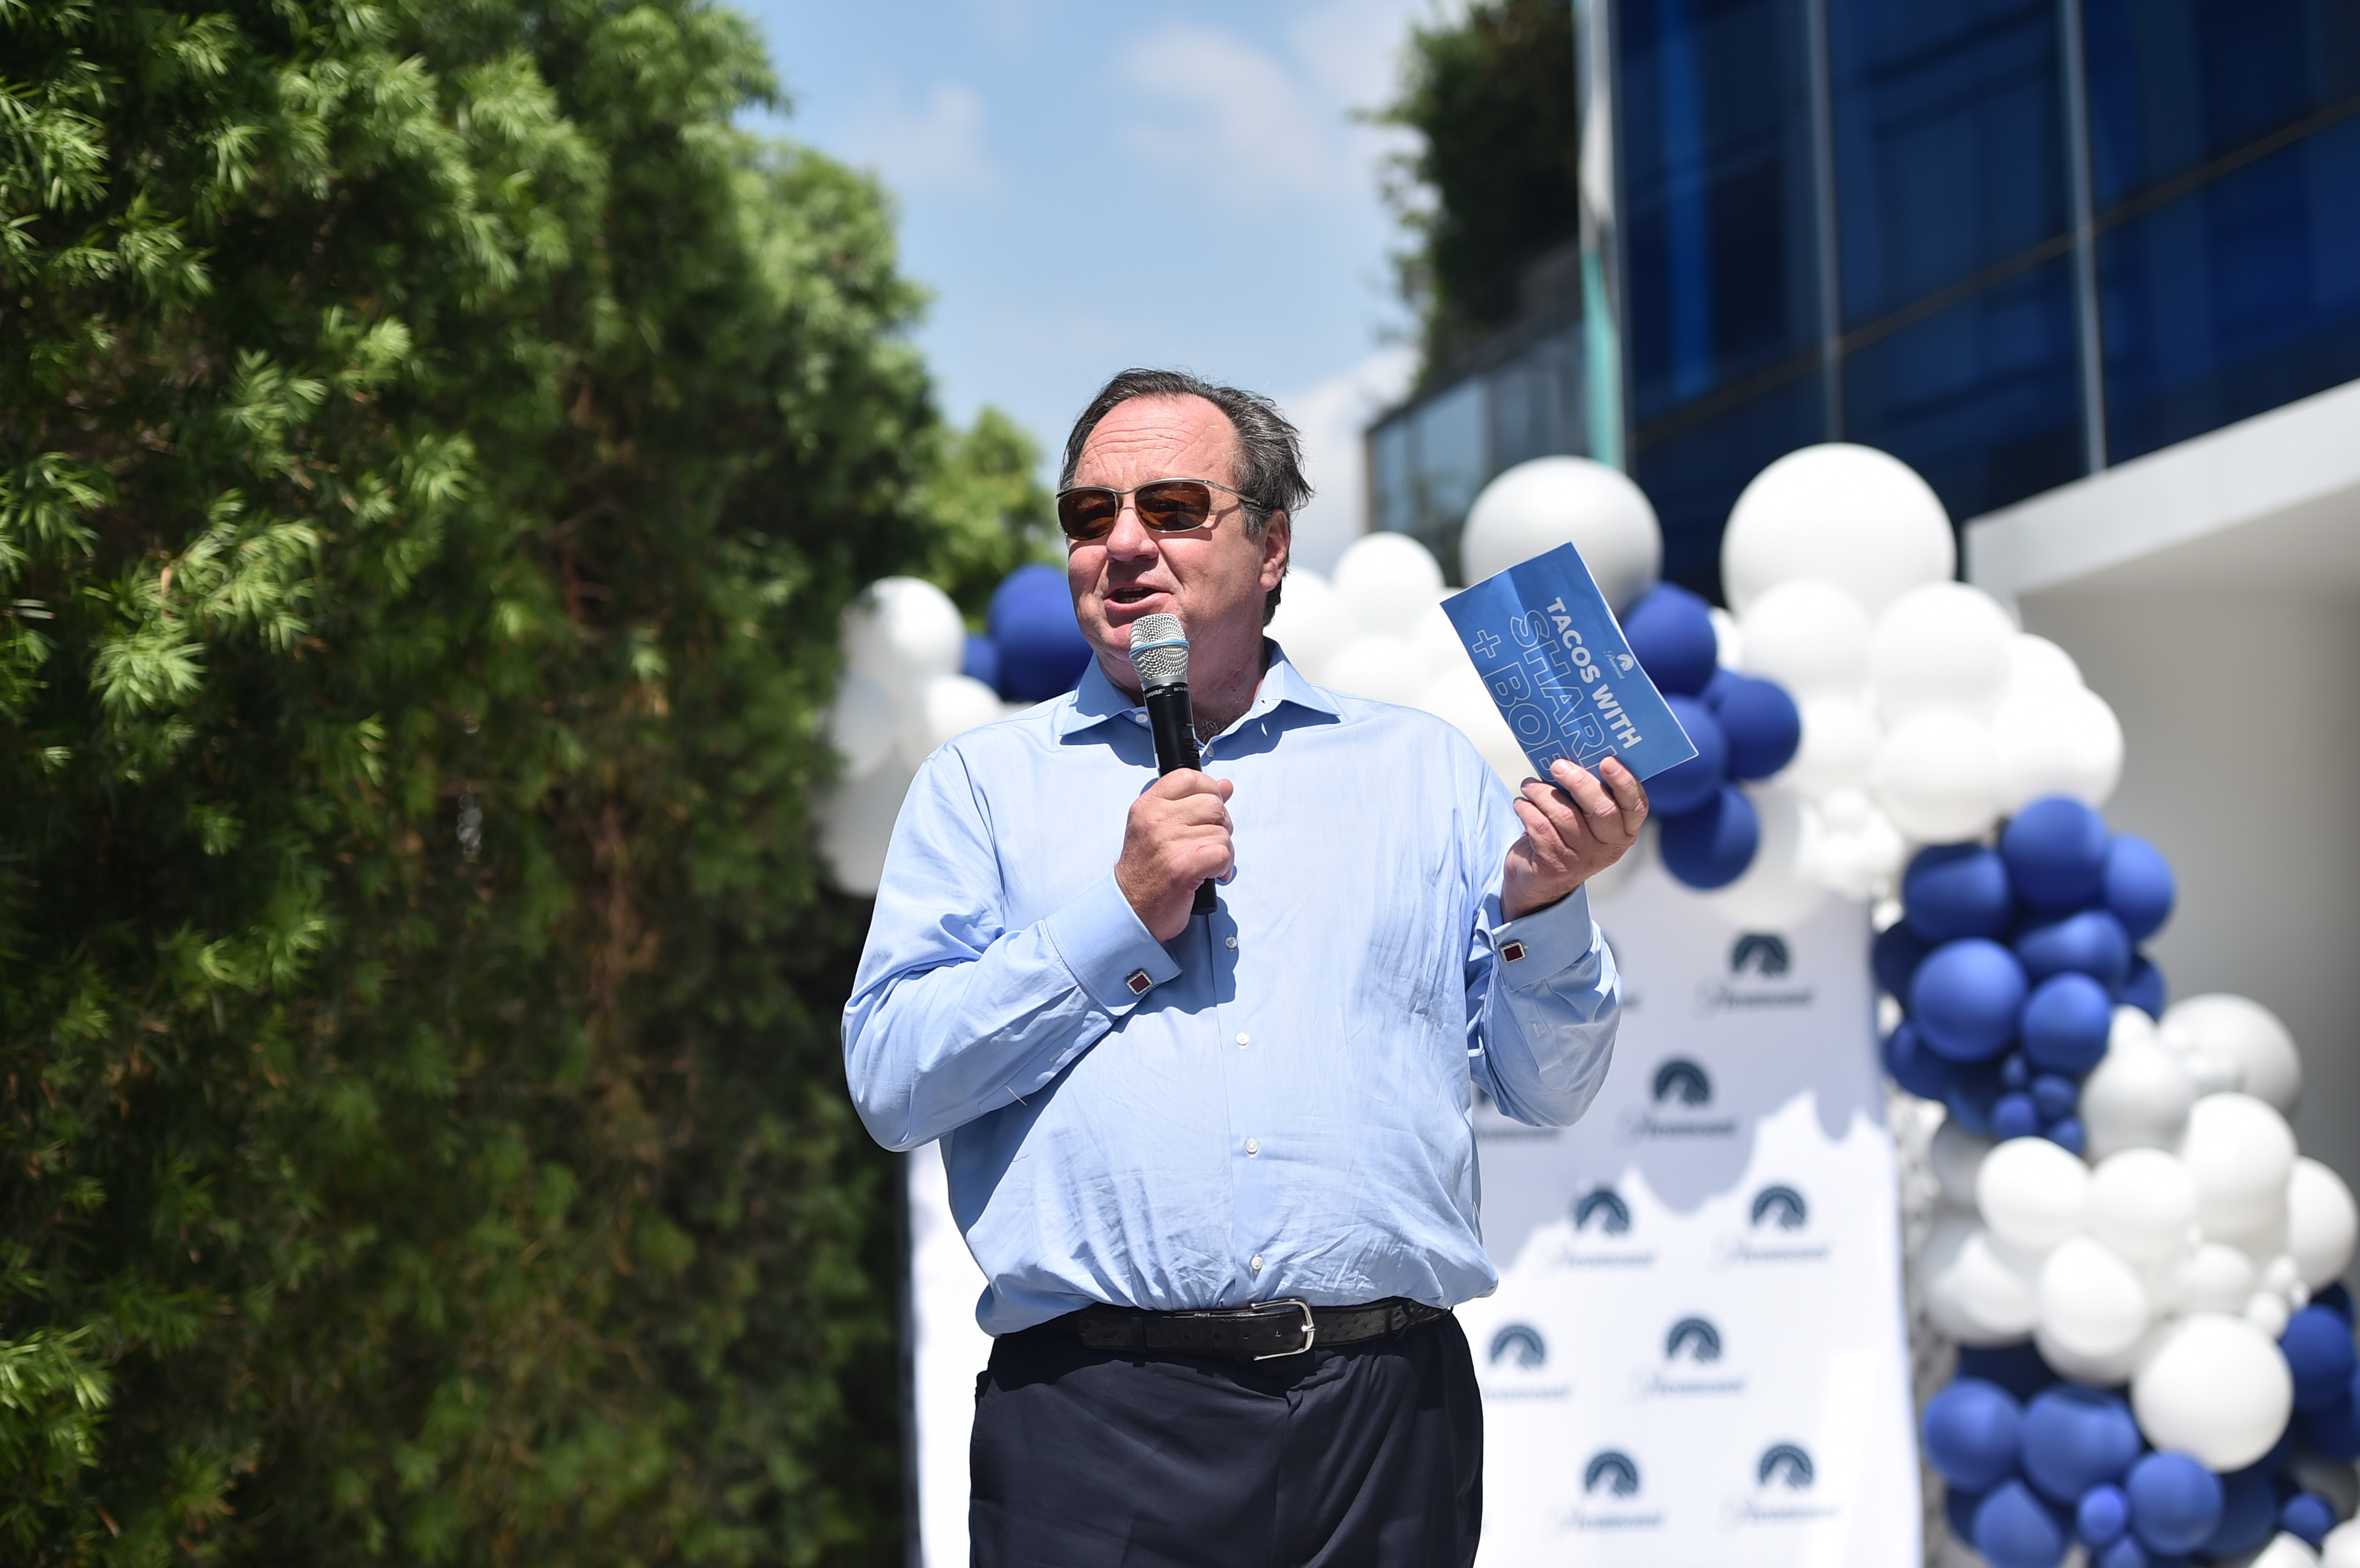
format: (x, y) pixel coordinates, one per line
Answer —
(1097, 698)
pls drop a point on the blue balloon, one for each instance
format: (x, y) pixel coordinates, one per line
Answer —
(2333, 1430)
(1671, 632)
(2065, 1022)
(1676, 792)
(1763, 725)
(2126, 1553)
(1711, 847)
(1722, 682)
(2091, 943)
(2144, 989)
(1894, 957)
(1908, 1063)
(2307, 1515)
(2076, 1438)
(2056, 1095)
(2068, 1134)
(2015, 1116)
(980, 661)
(2250, 1513)
(2319, 1352)
(2175, 1503)
(1957, 889)
(2103, 1514)
(2139, 887)
(2056, 853)
(1971, 1432)
(1042, 649)
(2013, 1530)
(1965, 998)
(2014, 1070)
(2016, 1367)
(1959, 1506)
(1976, 1088)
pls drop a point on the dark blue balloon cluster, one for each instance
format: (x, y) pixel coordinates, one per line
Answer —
(2008, 964)
(1744, 727)
(1033, 649)
(2031, 1464)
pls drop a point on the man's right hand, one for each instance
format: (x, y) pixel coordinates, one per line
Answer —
(1179, 837)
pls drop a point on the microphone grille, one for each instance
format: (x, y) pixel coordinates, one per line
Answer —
(1159, 651)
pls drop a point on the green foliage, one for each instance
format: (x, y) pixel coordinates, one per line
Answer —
(991, 511)
(1496, 182)
(435, 448)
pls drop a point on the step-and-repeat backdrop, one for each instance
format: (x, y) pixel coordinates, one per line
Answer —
(1696, 1354)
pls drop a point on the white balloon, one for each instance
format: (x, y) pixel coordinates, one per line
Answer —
(2138, 1095)
(2266, 1311)
(2215, 1388)
(2215, 1278)
(2032, 1194)
(1383, 667)
(945, 706)
(2142, 1204)
(2342, 1547)
(2285, 1550)
(2111, 1370)
(1851, 513)
(1728, 641)
(1459, 698)
(2090, 1300)
(2059, 741)
(855, 825)
(2036, 664)
(2241, 1153)
(860, 721)
(2322, 1223)
(901, 632)
(1850, 845)
(1944, 644)
(1436, 642)
(2247, 1034)
(1934, 776)
(1809, 637)
(1977, 1290)
(1310, 624)
(1957, 1158)
(1537, 506)
(1776, 890)
(1838, 750)
(1386, 581)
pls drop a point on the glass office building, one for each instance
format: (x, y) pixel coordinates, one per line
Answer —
(2009, 241)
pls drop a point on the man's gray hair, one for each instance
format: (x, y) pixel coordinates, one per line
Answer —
(1269, 450)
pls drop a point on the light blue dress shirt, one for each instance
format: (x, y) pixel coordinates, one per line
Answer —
(1284, 1111)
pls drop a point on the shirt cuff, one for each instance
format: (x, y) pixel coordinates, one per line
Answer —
(1112, 955)
(1545, 943)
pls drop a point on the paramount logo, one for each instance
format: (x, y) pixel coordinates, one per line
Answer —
(1517, 1349)
(1764, 956)
(1782, 1478)
(1601, 1219)
(1692, 1351)
(1777, 1230)
(1679, 1089)
(1610, 1490)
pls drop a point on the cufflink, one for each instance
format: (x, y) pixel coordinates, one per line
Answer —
(1140, 984)
(1511, 951)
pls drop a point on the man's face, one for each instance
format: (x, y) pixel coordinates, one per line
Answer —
(1213, 578)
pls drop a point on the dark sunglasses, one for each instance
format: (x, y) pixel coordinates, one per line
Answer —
(1088, 512)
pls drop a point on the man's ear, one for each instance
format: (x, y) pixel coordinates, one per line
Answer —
(1277, 546)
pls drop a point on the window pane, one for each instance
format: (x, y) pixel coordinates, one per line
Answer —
(2176, 83)
(1537, 403)
(1982, 398)
(1716, 165)
(1450, 465)
(1950, 142)
(1693, 474)
(1396, 505)
(2238, 296)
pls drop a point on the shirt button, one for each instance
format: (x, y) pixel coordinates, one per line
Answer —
(1253, 1146)
(1242, 1037)
(1257, 1262)
(1229, 942)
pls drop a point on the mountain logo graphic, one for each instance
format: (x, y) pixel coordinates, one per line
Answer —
(1613, 1470)
(1683, 1080)
(1605, 1205)
(1520, 1340)
(1697, 1337)
(1786, 1463)
(1766, 952)
(1783, 1204)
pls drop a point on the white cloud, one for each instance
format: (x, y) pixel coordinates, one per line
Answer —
(938, 145)
(1227, 115)
(1331, 415)
(1353, 48)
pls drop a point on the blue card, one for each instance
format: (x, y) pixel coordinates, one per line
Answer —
(1553, 658)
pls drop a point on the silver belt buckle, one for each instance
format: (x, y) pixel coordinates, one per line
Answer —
(1310, 1327)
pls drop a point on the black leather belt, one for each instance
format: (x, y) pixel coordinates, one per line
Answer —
(1262, 1332)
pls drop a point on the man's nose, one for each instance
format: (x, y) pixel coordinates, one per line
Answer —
(1130, 540)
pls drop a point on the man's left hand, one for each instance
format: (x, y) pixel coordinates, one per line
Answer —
(1568, 841)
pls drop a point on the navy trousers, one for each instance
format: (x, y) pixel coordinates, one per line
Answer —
(1364, 1457)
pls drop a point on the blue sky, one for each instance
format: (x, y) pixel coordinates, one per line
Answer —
(1085, 187)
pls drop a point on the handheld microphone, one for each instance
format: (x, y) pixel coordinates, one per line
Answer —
(1159, 651)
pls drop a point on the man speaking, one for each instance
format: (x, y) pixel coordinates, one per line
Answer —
(1217, 1167)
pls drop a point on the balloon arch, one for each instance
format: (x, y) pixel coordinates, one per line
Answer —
(2128, 1263)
